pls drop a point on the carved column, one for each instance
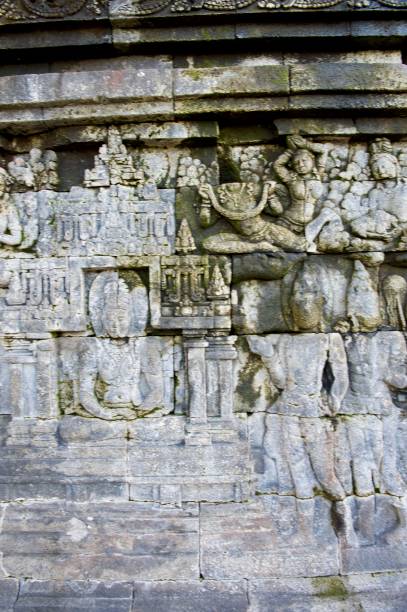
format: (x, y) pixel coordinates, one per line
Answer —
(220, 355)
(195, 346)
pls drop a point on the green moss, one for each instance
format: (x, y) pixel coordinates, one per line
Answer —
(330, 587)
(194, 73)
(245, 388)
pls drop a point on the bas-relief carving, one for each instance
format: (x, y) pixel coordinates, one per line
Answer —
(331, 426)
(45, 295)
(362, 292)
(120, 373)
(28, 10)
(323, 408)
(115, 220)
(28, 378)
(142, 8)
(325, 198)
(191, 291)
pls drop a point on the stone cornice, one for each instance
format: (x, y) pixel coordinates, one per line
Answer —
(26, 11)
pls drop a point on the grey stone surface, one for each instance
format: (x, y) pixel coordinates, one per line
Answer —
(340, 594)
(107, 541)
(269, 537)
(208, 595)
(8, 594)
(74, 596)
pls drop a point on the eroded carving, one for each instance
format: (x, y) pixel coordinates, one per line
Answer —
(351, 448)
(239, 204)
(47, 9)
(38, 170)
(149, 7)
(120, 374)
(194, 289)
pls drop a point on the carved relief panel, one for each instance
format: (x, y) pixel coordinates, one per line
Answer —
(244, 324)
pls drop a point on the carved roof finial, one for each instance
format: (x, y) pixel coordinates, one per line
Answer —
(184, 242)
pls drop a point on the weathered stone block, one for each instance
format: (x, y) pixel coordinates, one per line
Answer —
(346, 77)
(160, 457)
(206, 82)
(8, 594)
(116, 541)
(74, 596)
(187, 596)
(271, 537)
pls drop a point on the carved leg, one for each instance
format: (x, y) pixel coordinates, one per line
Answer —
(392, 482)
(319, 441)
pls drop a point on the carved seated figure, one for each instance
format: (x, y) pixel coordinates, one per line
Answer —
(236, 202)
(117, 380)
(386, 218)
(292, 203)
(11, 233)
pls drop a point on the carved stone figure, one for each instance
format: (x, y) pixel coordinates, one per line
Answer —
(237, 203)
(363, 307)
(111, 369)
(395, 292)
(11, 233)
(301, 168)
(377, 366)
(386, 202)
(38, 170)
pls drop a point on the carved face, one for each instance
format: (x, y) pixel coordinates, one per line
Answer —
(35, 156)
(303, 162)
(307, 310)
(116, 322)
(384, 167)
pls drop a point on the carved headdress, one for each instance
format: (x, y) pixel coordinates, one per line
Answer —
(116, 295)
(382, 147)
(110, 293)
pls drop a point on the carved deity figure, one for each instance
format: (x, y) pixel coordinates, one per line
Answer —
(395, 293)
(367, 435)
(112, 368)
(297, 366)
(301, 168)
(237, 203)
(386, 202)
(11, 233)
(377, 367)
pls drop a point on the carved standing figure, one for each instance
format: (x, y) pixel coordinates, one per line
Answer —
(395, 293)
(296, 366)
(302, 168)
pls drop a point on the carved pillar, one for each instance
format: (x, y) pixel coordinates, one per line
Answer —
(195, 347)
(220, 355)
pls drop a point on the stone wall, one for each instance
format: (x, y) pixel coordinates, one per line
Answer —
(203, 306)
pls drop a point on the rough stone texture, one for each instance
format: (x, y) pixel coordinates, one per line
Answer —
(203, 306)
(100, 541)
